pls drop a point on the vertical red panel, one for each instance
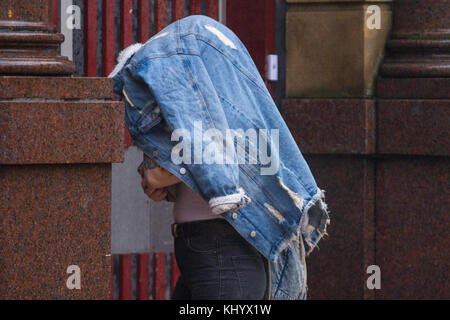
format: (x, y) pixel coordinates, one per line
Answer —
(143, 32)
(269, 39)
(174, 272)
(126, 39)
(125, 277)
(212, 9)
(55, 13)
(270, 26)
(194, 7)
(90, 31)
(160, 15)
(250, 28)
(126, 23)
(142, 276)
(256, 30)
(177, 9)
(108, 43)
(159, 275)
(111, 287)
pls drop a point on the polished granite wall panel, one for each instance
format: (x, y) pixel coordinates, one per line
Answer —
(59, 120)
(60, 132)
(414, 127)
(331, 126)
(414, 138)
(412, 228)
(37, 11)
(337, 270)
(54, 216)
(59, 137)
(337, 137)
(413, 88)
(405, 190)
(56, 88)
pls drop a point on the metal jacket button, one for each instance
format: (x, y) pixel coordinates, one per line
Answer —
(253, 234)
(182, 170)
(234, 216)
(155, 153)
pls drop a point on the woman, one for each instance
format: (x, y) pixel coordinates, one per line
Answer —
(215, 262)
(195, 79)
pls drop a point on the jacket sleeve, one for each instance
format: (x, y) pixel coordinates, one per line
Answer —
(191, 108)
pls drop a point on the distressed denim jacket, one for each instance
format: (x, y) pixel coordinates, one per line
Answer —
(185, 90)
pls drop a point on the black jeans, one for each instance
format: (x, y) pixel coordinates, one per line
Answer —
(216, 263)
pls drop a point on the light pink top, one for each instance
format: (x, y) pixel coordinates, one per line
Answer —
(189, 206)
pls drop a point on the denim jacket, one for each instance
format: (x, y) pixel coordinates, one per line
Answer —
(187, 89)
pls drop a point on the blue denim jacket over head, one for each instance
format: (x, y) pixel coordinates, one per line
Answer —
(191, 85)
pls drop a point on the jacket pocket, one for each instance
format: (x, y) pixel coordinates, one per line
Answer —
(148, 117)
(144, 112)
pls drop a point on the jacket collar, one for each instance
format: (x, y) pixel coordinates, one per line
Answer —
(123, 59)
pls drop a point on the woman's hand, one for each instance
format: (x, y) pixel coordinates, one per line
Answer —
(154, 182)
(156, 194)
(159, 178)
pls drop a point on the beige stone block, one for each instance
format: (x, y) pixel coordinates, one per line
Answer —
(330, 51)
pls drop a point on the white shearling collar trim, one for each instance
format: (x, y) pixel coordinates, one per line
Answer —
(124, 55)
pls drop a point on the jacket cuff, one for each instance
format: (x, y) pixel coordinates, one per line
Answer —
(230, 202)
(315, 222)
